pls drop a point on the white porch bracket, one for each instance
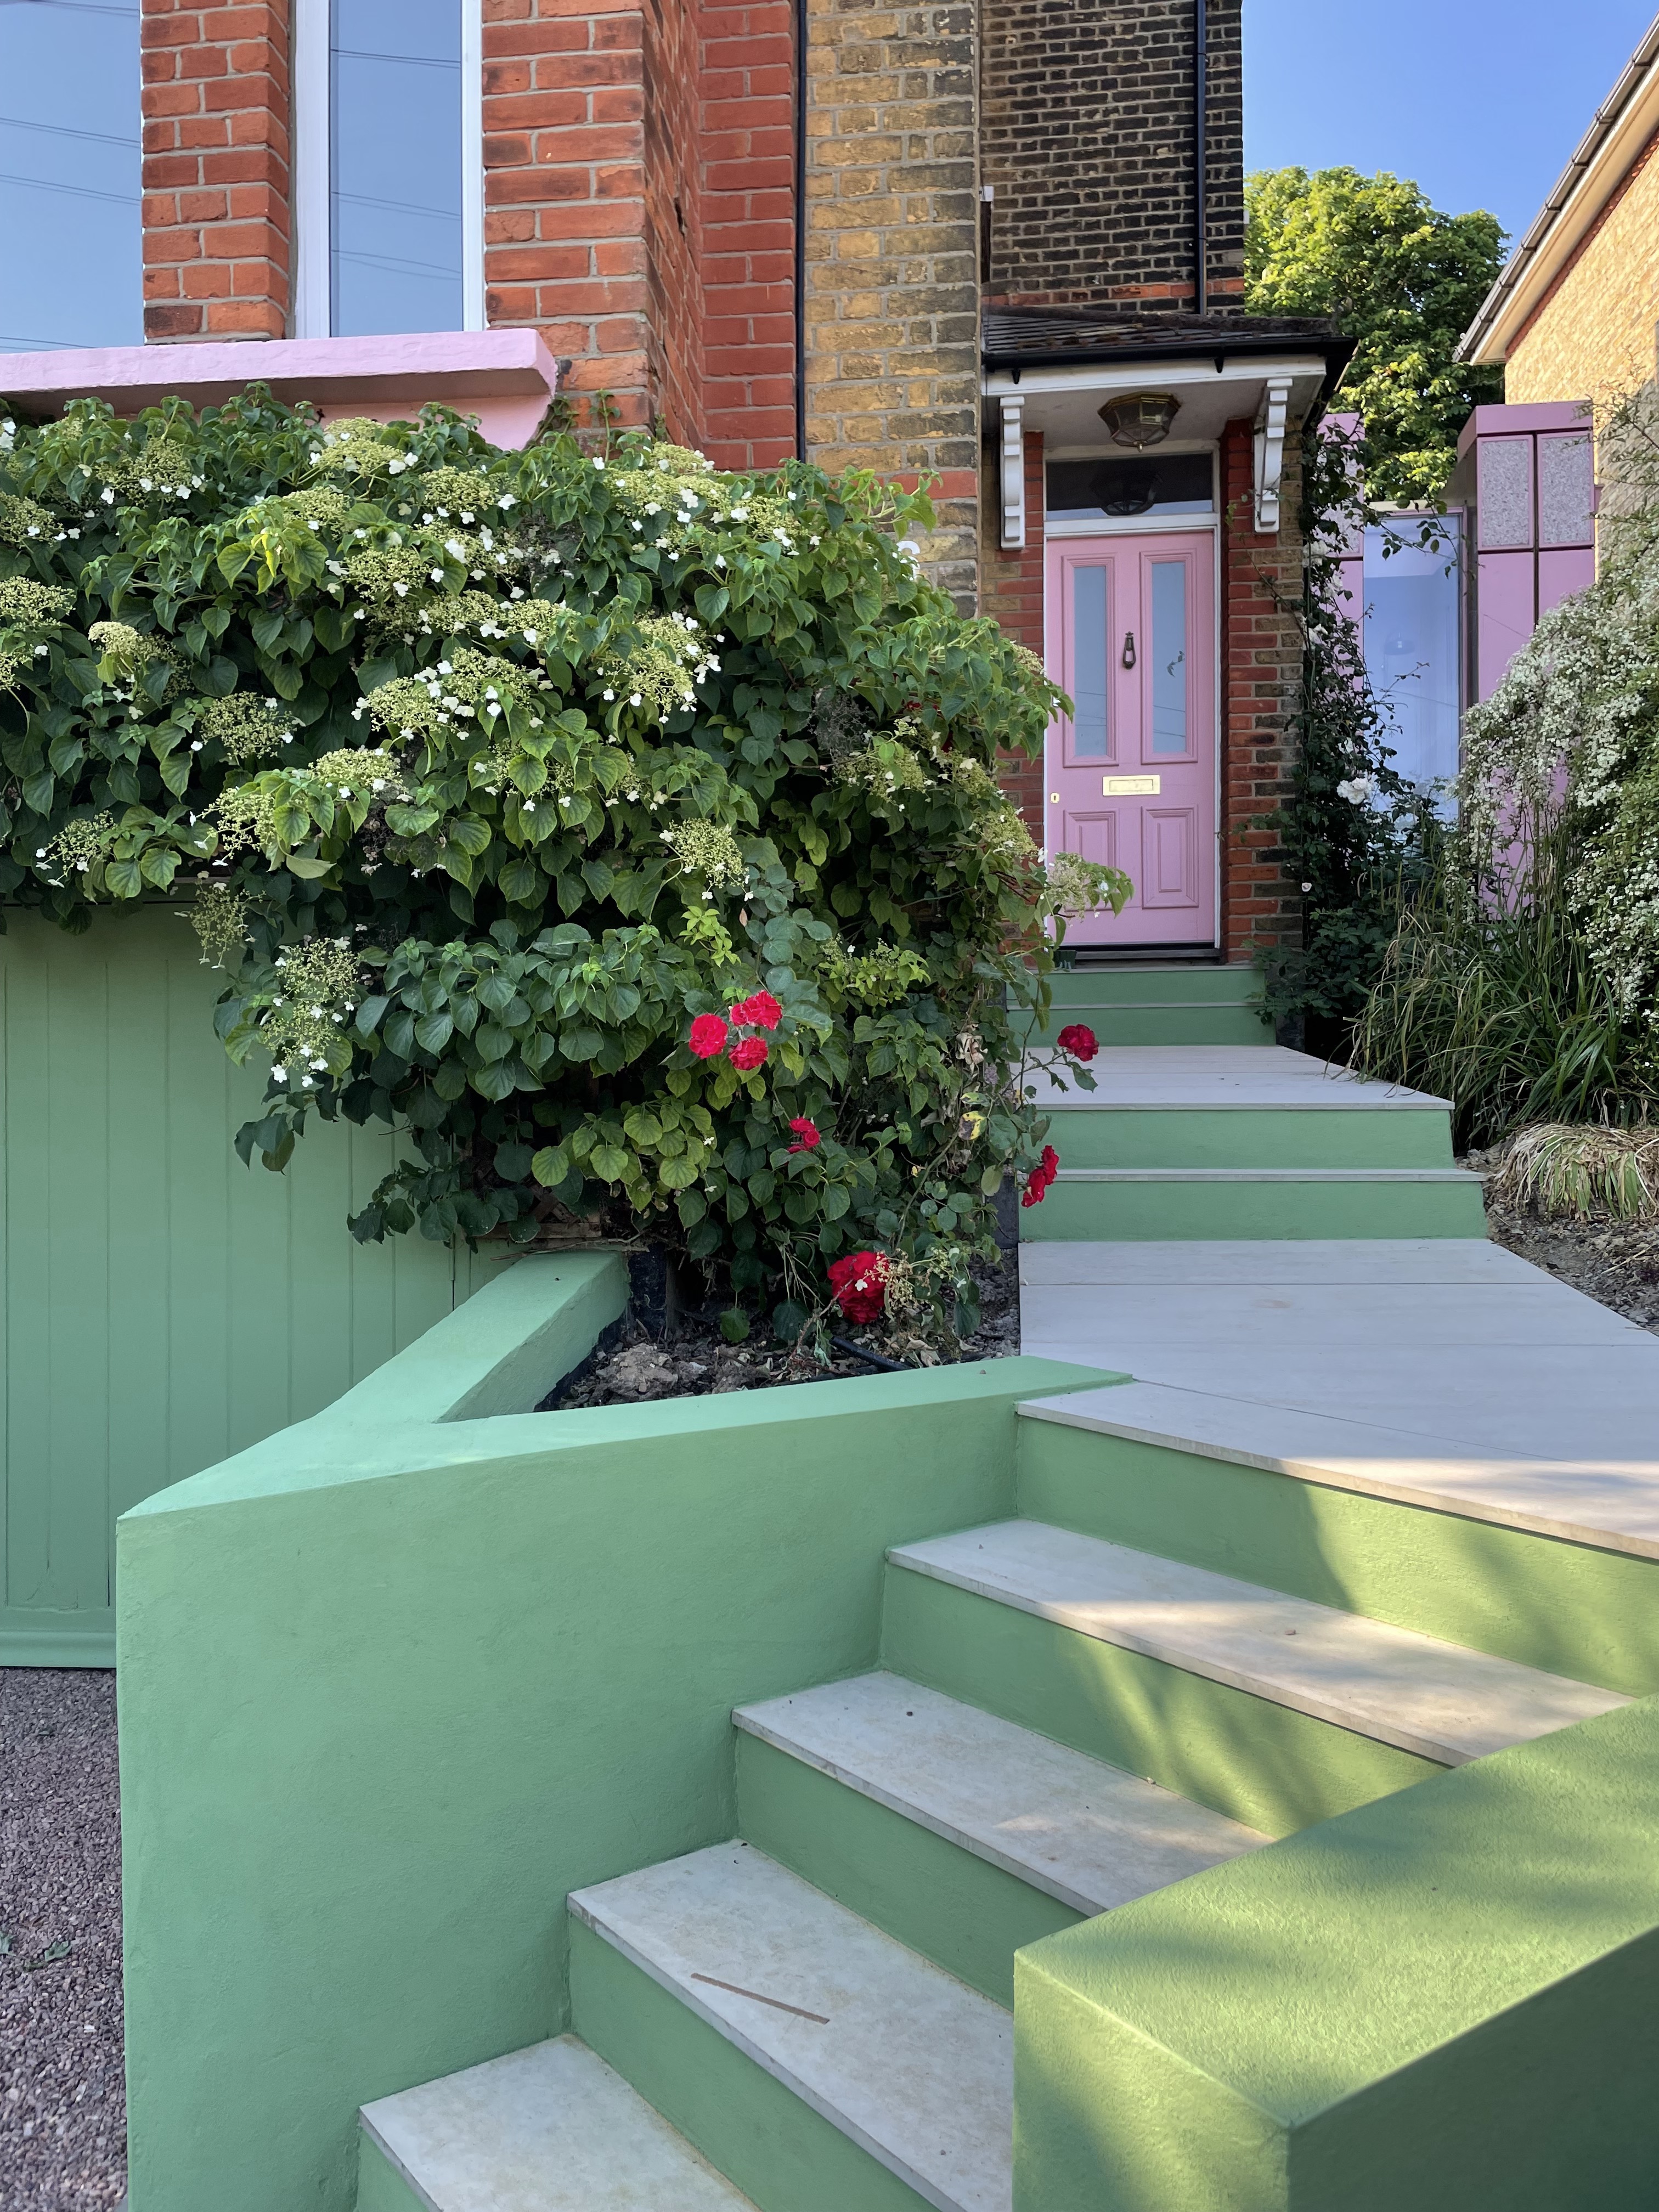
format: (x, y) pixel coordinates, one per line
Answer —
(1013, 472)
(1270, 421)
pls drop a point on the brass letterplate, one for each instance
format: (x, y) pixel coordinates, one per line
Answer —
(1130, 787)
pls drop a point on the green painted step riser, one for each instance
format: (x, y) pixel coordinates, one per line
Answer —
(380, 2187)
(1155, 1212)
(966, 1915)
(1348, 1137)
(1258, 1762)
(1200, 984)
(760, 2135)
(1591, 1615)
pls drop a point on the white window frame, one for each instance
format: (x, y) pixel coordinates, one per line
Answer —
(309, 167)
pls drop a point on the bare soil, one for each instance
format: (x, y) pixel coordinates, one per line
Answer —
(693, 1360)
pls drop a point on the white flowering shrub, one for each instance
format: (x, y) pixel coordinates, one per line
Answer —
(491, 774)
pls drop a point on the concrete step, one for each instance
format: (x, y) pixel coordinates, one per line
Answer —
(901, 2059)
(1087, 1834)
(549, 2128)
(1198, 1004)
(1436, 1701)
(1128, 1205)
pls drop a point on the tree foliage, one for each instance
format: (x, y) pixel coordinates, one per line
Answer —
(1402, 279)
(486, 773)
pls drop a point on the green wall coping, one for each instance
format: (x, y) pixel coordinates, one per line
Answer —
(1272, 1997)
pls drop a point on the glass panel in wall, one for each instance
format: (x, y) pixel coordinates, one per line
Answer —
(1411, 600)
(1088, 671)
(70, 254)
(1109, 486)
(1169, 657)
(395, 166)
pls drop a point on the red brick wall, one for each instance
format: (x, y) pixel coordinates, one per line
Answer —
(1011, 592)
(673, 217)
(216, 233)
(1260, 664)
(747, 123)
(565, 221)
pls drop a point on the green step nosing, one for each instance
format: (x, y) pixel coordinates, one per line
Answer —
(763, 2138)
(1201, 983)
(1164, 1212)
(1541, 1600)
(1160, 1025)
(930, 1893)
(380, 2187)
(1272, 1768)
(1097, 1135)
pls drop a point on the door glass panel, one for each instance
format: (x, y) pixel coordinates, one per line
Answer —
(1089, 739)
(395, 181)
(1169, 656)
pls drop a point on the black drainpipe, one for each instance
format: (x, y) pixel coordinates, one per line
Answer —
(1200, 104)
(800, 227)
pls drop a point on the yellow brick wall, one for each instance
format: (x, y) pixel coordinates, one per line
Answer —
(892, 278)
(1593, 337)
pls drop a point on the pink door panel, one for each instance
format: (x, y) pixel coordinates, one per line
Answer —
(1168, 858)
(1132, 771)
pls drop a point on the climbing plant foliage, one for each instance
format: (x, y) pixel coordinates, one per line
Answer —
(486, 773)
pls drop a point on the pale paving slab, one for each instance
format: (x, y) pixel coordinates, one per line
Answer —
(1087, 1833)
(1264, 1261)
(1611, 1507)
(1436, 1699)
(549, 2128)
(1143, 1078)
(1531, 1371)
(911, 2063)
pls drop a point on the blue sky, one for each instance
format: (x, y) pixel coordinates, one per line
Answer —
(1482, 101)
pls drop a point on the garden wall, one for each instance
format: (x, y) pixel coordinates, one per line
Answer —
(161, 1304)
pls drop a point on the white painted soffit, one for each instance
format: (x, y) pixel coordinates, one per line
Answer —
(1625, 122)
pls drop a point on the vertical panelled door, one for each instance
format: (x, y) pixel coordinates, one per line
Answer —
(1132, 773)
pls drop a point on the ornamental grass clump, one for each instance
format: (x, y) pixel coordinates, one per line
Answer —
(625, 832)
(1563, 1172)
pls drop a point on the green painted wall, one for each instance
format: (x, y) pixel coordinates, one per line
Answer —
(1443, 2002)
(390, 1690)
(1572, 1610)
(162, 1306)
(380, 2187)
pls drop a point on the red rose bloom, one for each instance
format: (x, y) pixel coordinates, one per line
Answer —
(1077, 1039)
(860, 1283)
(762, 1011)
(748, 1053)
(808, 1133)
(1050, 1162)
(1037, 1183)
(709, 1035)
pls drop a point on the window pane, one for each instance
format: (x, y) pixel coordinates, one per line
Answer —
(1163, 483)
(1088, 739)
(1169, 657)
(395, 174)
(1411, 641)
(70, 256)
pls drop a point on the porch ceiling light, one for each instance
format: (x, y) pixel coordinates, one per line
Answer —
(1140, 418)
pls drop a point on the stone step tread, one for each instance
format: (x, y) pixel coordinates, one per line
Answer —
(1165, 1077)
(1325, 1263)
(1438, 1700)
(909, 2062)
(1611, 1506)
(1455, 1175)
(1087, 1833)
(548, 2129)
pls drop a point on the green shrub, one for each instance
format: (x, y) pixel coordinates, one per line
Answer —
(488, 773)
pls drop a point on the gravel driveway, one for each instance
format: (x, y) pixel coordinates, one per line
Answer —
(63, 2097)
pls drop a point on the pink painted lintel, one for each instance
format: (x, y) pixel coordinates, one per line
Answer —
(506, 378)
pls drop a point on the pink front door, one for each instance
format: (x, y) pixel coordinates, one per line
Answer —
(1132, 775)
